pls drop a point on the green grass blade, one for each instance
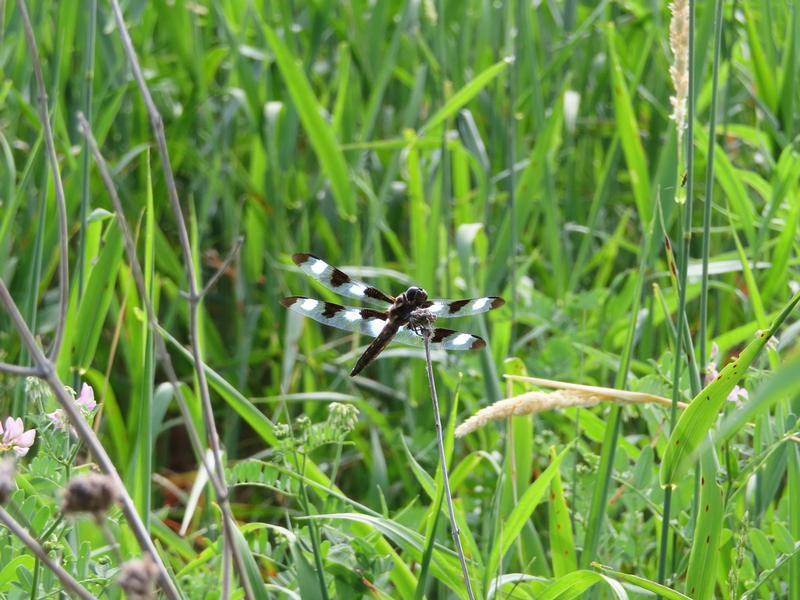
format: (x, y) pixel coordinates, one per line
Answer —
(319, 131)
(629, 134)
(458, 100)
(528, 501)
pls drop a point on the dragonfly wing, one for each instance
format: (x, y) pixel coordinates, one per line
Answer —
(445, 339)
(361, 320)
(463, 308)
(338, 281)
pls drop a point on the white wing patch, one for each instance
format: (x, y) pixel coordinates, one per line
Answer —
(375, 327)
(357, 289)
(462, 339)
(318, 267)
(479, 304)
(309, 304)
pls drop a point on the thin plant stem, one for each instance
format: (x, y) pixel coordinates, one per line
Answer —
(88, 83)
(443, 460)
(52, 159)
(709, 183)
(67, 580)
(683, 266)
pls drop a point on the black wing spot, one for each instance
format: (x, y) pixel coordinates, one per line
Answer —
(331, 310)
(439, 335)
(368, 313)
(339, 278)
(478, 343)
(497, 302)
(457, 306)
(301, 257)
(378, 295)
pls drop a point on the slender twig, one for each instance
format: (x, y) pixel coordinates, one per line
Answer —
(10, 369)
(157, 123)
(67, 580)
(87, 435)
(237, 245)
(194, 437)
(63, 235)
(443, 460)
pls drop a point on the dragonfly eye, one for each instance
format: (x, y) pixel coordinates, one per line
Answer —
(416, 295)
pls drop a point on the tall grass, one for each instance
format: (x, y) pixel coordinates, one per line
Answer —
(517, 149)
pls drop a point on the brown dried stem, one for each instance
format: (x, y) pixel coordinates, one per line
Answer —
(194, 296)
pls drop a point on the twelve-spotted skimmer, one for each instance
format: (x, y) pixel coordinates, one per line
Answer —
(399, 319)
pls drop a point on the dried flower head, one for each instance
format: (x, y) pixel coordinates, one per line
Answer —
(93, 493)
(679, 71)
(15, 437)
(137, 579)
(8, 472)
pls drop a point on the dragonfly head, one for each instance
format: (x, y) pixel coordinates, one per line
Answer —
(416, 295)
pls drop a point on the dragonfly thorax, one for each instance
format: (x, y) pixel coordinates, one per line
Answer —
(407, 302)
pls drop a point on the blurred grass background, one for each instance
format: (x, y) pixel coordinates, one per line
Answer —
(510, 148)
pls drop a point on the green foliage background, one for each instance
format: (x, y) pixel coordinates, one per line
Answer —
(401, 140)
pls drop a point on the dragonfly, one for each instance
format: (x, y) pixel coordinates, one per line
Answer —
(405, 318)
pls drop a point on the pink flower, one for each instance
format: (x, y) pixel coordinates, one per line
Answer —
(59, 420)
(85, 400)
(15, 437)
(85, 403)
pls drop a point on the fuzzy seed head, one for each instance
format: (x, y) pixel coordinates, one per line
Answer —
(137, 579)
(525, 404)
(93, 493)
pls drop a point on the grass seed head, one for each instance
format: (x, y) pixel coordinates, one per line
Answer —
(679, 71)
(525, 404)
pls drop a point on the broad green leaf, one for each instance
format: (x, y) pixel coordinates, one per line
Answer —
(562, 543)
(704, 552)
(651, 586)
(696, 421)
(573, 585)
